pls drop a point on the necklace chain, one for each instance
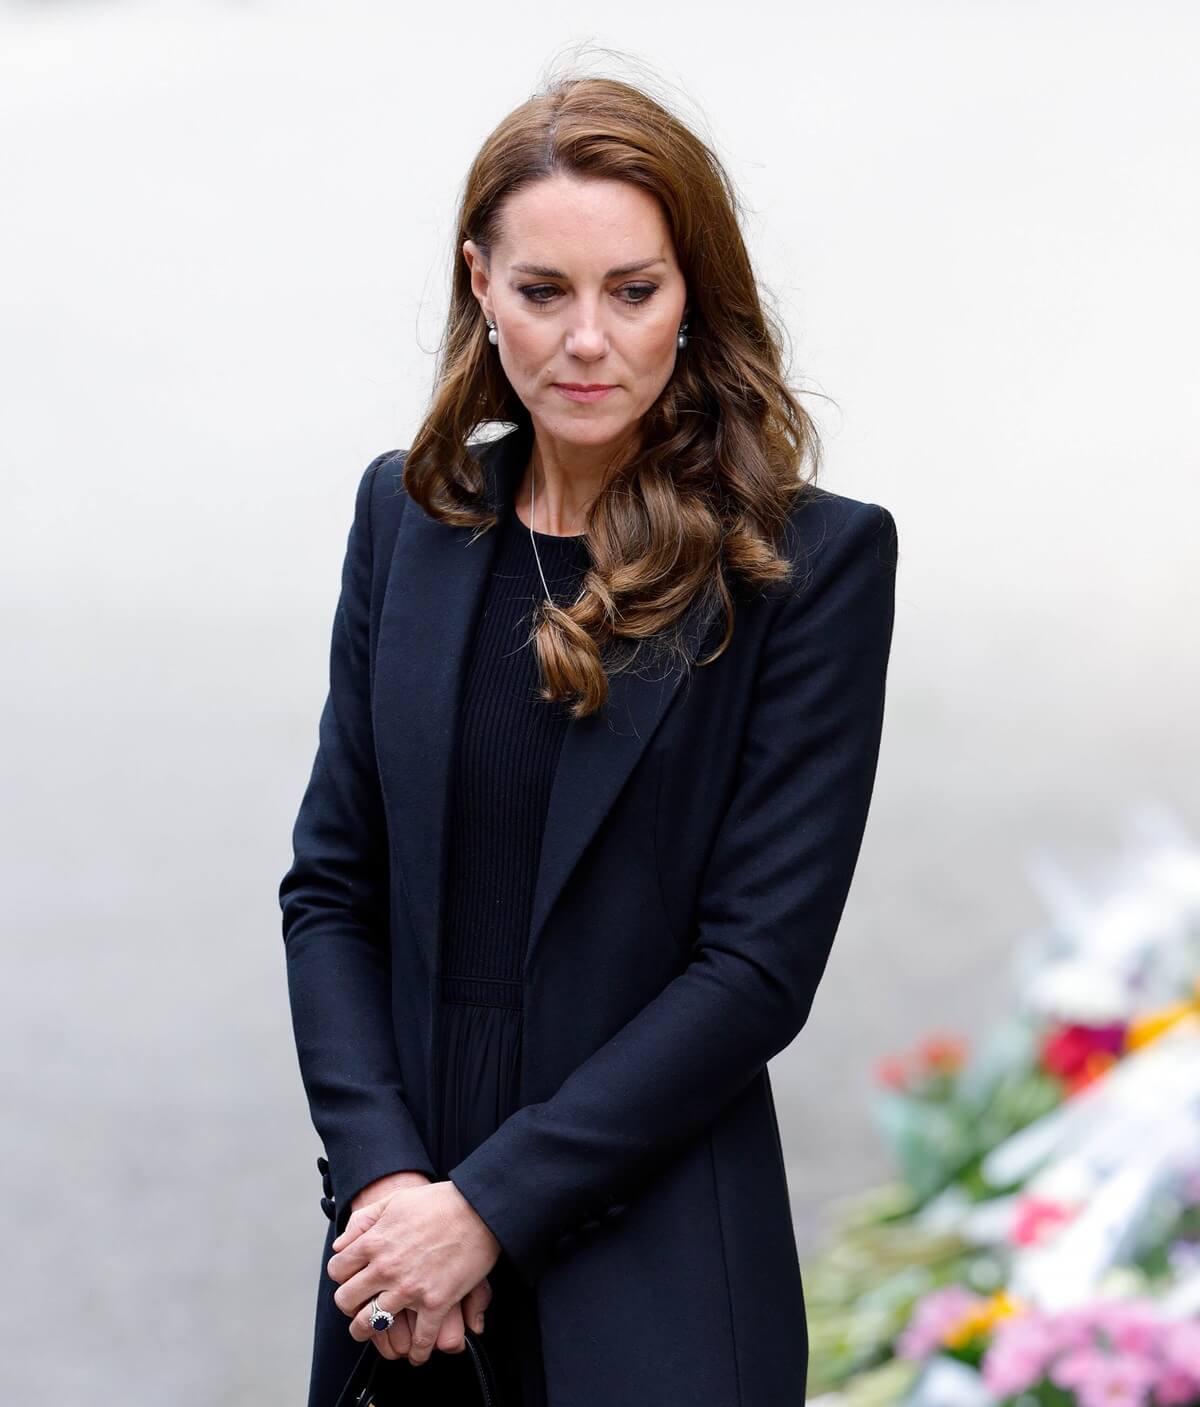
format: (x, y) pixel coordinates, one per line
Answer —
(533, 535)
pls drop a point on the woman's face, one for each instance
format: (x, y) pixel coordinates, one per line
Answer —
(584, 289)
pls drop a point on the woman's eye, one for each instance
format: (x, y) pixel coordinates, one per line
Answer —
(631, 293)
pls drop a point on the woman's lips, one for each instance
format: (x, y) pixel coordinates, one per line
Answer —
(573, 393)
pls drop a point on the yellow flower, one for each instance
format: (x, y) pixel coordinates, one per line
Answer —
(980, 1320)
(1144, 1029)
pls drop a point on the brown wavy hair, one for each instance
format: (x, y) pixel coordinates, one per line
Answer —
(706, 495)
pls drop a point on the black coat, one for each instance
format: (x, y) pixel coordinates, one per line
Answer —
(699, 847)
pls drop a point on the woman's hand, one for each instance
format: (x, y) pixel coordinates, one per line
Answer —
(421, 1249)
(396, 1342)
(383, 1187)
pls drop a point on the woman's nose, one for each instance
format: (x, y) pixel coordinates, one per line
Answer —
(587, 338)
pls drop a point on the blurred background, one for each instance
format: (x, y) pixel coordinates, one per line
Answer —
(226, 242)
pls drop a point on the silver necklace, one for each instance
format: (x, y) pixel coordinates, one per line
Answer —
(533, 535)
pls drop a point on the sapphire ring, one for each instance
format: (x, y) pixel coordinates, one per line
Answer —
(380, 1319)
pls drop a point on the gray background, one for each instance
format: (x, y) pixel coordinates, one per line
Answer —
(225, 250)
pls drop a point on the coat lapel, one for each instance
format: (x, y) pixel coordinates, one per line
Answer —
(435, 590)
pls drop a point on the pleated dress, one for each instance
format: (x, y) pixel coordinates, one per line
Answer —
(507, 751)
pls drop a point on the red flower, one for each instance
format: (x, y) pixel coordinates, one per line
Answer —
(942, 1053)
(1069, 1051)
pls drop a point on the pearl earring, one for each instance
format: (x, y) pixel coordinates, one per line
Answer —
(682, 339)
(493, 335)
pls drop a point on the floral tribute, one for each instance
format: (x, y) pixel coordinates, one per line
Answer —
(1039, 1245)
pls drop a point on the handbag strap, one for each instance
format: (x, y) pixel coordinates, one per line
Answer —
(360, 1385)
(489, 1390)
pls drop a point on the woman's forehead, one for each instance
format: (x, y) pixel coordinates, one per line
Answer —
(597, 224)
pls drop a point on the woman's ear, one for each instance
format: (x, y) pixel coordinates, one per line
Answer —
(480, 279)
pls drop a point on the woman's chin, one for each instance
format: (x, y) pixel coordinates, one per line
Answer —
(590, 429)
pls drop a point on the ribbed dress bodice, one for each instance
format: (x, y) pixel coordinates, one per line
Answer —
(504, 762)
(507, 750)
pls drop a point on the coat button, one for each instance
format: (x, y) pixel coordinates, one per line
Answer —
(323, 1165)
(327, 1206)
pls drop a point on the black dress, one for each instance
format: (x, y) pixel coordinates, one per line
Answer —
(507, 751)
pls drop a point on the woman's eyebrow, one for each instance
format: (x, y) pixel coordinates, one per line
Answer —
(541, 271)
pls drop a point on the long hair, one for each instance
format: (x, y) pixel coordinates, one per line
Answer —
(705, 497)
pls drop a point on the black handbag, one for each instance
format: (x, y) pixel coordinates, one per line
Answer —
(362, 1384)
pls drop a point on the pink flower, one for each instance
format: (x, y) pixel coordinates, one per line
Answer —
(1076, 1327)
(1036, 1219)
(1176, 1388)
(933, 1318)
(1181, 1347)
(1007, 1371)
(1117, 1380)
(1132, 1326)
(1017, 1357)
(1078, 1366)
(1109, 1353)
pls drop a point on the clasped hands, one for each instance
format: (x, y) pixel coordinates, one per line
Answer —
(424, 1251)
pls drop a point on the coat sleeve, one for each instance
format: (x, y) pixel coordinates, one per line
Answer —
(770, 903)
(335, 906)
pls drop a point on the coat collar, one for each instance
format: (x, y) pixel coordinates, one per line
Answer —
(435, 589)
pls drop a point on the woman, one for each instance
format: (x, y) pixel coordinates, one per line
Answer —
(605, 706)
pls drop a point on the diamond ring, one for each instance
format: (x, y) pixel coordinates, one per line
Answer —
(381, 1320)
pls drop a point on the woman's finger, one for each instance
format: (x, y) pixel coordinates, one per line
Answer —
(384, 1346)
(354, 1293)
(451, 1337)
(425, 1334)
(399, 1336)
(361, 1220)
(360, 1324)
(474, 1303)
